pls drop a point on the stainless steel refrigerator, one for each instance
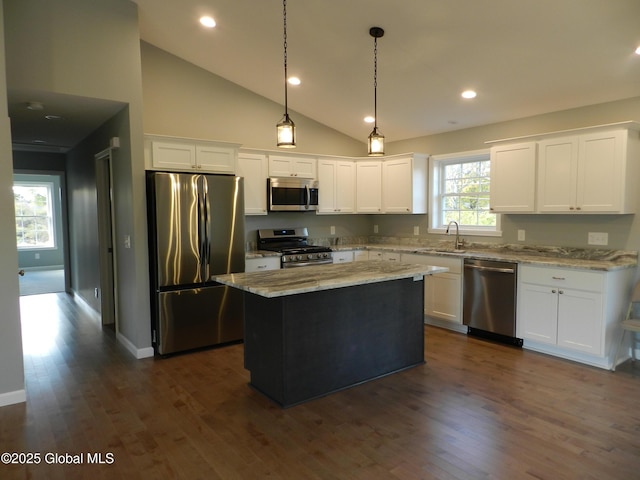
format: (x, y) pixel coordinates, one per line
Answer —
(196, 230)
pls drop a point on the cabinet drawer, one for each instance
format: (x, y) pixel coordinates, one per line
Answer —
(560, 277)
(452, 263)
(261, 264)
(342, 257)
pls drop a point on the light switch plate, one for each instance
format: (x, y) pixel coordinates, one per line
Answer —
(521, 235)
(333, 229)
(598, 238)
(375, 229)
(416, 230)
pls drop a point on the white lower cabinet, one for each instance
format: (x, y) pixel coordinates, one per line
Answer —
(360, 255)
(261, 264)
(572, 313)
(342, 256)
(442, 291)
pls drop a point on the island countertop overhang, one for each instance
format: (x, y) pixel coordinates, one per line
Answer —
(293, 281)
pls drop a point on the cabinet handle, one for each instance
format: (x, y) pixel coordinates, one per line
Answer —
(578, 208)
(553, 291)
(558, 278)
(261, 266)
(570, 208)
(560, 292)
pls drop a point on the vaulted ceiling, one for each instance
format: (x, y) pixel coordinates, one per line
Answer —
(523, 58)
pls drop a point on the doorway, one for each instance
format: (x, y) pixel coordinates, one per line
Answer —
(107, 291)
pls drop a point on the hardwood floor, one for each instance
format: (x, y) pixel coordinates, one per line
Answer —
(475, 410)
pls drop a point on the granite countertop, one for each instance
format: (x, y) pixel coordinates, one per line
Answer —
(549, 256)
(579, 258)
(291, 281)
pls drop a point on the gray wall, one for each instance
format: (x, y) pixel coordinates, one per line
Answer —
(183, 100)
(12, 371)
(563, 230)
(92, 49)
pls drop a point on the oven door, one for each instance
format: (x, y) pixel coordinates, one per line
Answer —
(292, 195)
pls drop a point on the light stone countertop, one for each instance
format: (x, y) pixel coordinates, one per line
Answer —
(291, 281)
(548, 256)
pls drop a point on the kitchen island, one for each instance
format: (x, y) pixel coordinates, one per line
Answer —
(315, 330)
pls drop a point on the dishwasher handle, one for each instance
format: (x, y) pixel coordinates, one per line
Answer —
(491, 269)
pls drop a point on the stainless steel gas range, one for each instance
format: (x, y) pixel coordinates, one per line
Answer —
(293, 244)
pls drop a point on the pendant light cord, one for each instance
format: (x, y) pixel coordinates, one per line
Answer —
(284, 15)
(375, 82)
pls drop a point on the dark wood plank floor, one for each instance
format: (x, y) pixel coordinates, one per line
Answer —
(475, 410)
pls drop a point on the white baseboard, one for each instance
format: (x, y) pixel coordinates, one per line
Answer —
(10, 398)
(447, 324)
(139, 353)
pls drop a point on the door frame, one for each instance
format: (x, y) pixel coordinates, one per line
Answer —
(106, 239)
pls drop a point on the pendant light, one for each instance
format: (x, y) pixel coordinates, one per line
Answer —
(376, 139)
(286, 129)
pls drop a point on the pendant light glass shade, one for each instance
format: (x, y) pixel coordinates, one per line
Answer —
(376, 143)
(286, 129)
(376, 139)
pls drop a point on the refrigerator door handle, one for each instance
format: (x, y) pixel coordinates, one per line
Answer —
(205, 228)
(201, 205)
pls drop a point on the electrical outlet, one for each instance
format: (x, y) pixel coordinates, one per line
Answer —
(416, 230)
(333, 229)
(375, 229)
(96, 292)
(521, 235)
(127, 241)
(37, 256)
(598, 238)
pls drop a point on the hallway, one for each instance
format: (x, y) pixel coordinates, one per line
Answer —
(474, 410)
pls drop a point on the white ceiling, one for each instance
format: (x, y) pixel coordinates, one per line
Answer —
(524, 57)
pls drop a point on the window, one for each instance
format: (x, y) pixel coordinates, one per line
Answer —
(460, 192)
(34, 214)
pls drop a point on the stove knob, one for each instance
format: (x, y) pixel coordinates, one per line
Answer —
(310, 256)
(299, 257)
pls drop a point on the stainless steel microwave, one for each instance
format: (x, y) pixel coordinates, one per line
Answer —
(290, 194)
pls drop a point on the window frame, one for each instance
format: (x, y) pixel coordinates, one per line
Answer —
(436, 164)
(51, 216)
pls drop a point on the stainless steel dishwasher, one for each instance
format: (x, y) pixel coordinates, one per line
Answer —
(489, 299)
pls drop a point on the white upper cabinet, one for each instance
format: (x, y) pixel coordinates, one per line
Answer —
(590, 173)
(368, 186)
(337, 178)
(188, 155)
(404, 184)
(588, 170)
(254, 169)
(513, 178)
(292, 166)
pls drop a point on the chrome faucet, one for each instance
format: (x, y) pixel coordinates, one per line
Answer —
(459, 243)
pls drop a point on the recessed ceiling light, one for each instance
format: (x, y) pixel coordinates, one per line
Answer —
(39, 141)
(638, 50)
(293, 81)
(53, 117)
(207, 21)
(369, 119)
(469, 94)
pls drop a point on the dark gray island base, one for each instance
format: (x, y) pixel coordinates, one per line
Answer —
(306, 345)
